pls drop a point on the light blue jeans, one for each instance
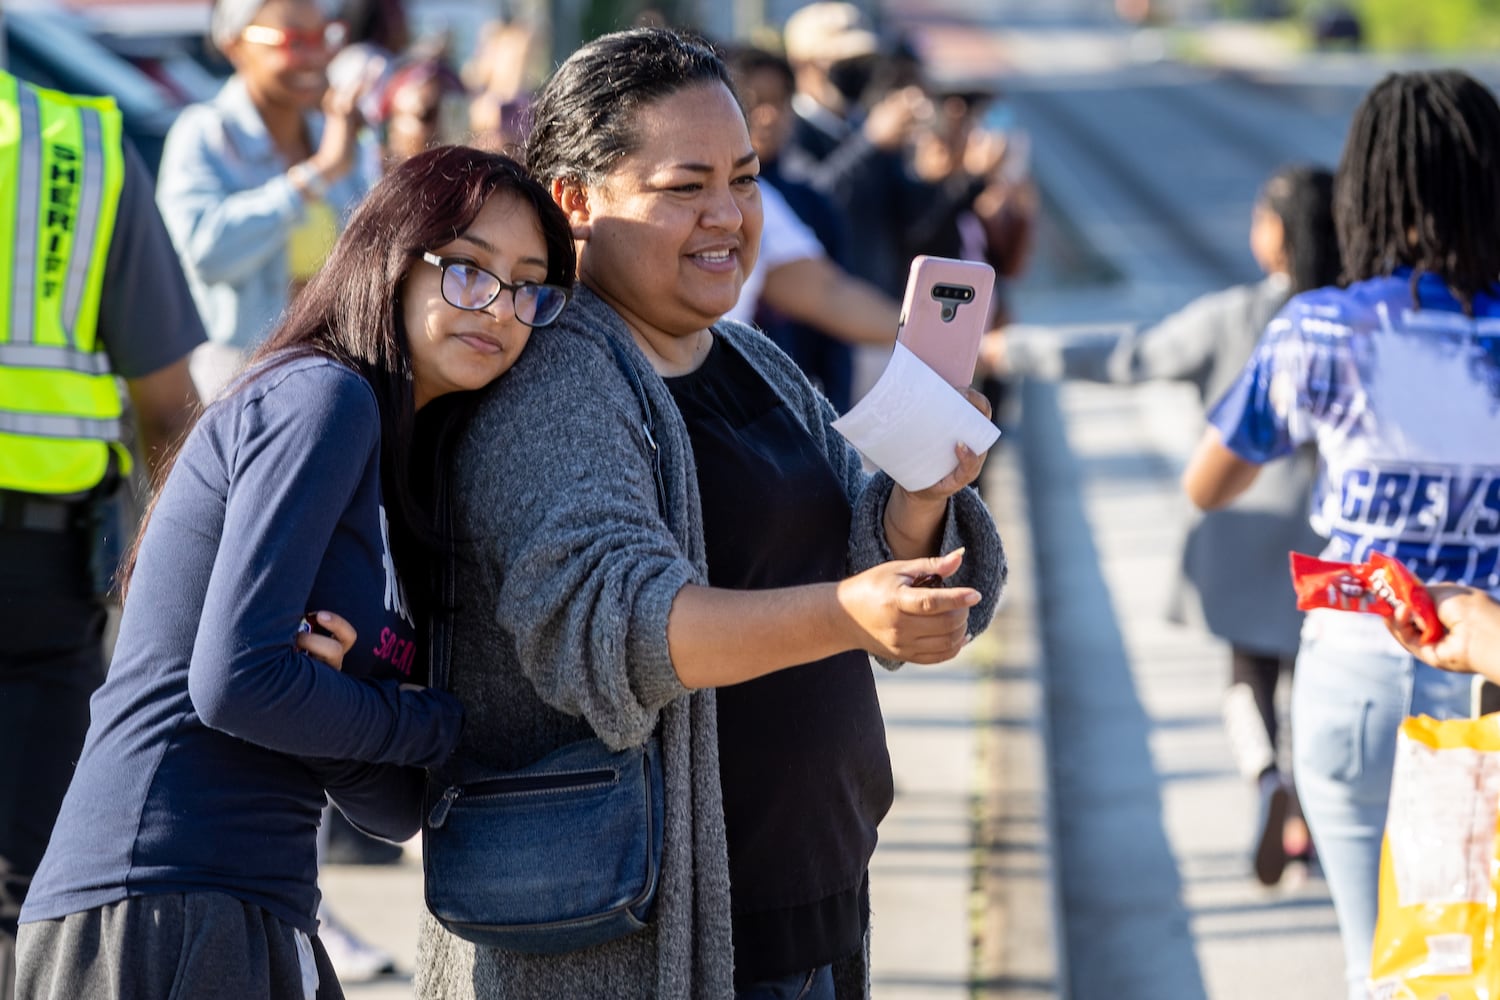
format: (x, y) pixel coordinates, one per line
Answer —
(1347, 705)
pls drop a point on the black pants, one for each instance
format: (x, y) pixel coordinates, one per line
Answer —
(1261, 673)
(51, 660)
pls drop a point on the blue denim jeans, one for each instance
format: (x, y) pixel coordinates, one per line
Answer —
(816, 984)
(1347, 705)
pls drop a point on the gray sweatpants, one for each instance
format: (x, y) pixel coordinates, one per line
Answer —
(180, 945)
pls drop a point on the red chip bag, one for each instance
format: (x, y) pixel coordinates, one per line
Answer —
(1380, 586)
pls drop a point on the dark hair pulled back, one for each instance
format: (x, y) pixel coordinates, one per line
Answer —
(584, 119)
(1301, 196)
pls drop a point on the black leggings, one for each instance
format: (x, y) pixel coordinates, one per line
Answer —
(1261, 673)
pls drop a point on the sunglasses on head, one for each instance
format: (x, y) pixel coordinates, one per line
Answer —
(471, 288)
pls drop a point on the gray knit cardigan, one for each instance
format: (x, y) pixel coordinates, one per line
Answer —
(566, 573)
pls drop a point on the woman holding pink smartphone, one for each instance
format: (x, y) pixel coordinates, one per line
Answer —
(717, 582)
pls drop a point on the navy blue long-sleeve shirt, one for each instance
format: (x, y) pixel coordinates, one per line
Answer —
(213, 738)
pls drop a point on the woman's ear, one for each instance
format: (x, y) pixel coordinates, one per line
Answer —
(230, 50)
(573, 198)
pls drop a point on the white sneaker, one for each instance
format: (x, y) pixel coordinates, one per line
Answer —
(1248, 742)
(354, 960)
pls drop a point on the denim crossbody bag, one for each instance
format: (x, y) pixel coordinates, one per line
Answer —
(557, 856)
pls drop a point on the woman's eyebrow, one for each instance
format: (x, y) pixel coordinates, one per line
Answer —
(478, 241)
(704, 168)
(488, 247)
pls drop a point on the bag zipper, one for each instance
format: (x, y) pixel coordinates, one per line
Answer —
(518, 785)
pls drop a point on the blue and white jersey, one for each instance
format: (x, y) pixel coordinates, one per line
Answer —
(1404, 406)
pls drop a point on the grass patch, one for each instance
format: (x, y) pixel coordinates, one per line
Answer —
(1423, 25)
(1433, 26)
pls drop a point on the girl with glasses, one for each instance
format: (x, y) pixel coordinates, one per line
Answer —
(184, 857)
(254, 186)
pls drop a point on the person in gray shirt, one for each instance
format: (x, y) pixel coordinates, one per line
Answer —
(1233, 570)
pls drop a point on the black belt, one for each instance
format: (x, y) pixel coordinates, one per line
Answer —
(31, 512)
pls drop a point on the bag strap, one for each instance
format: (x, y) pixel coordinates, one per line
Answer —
(440, 627)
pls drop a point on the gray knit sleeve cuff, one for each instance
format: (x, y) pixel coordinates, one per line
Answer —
(653, 678)
(966, 525)
(867, 542)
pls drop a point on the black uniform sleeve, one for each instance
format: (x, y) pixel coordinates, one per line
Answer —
(147, 318)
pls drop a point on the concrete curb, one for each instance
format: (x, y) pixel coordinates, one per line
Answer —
(1020, 948)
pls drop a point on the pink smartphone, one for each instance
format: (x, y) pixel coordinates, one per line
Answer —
(945, 313)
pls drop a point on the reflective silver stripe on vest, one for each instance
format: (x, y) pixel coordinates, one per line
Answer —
(28, 204)
(85, 221)
(72, 428)
(58, 358)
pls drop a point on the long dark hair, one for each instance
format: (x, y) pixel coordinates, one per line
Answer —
(351, 312)
(1301, 196)
(1419, 183)
(584, 119)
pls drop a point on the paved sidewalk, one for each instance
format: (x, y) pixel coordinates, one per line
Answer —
(961, 882)
(1154, 823)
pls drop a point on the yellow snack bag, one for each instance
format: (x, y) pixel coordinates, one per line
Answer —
(1435, 933)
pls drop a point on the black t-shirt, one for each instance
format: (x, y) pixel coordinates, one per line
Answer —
(802, 751)
(147, 319)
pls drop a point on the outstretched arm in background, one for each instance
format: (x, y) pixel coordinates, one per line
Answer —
(1182, 347)
(816, 291)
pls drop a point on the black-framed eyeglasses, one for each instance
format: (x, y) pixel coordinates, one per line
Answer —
(471, 288)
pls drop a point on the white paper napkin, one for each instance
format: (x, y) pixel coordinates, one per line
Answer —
(910, 422)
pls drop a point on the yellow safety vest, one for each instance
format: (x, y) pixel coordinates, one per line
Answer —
(61, 170)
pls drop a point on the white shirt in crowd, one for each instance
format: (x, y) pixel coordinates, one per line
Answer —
(784, 238)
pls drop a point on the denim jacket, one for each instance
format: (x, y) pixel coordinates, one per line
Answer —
(230, 208)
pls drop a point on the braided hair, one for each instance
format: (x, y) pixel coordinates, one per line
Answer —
(1301, 196)
(1419, 183)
